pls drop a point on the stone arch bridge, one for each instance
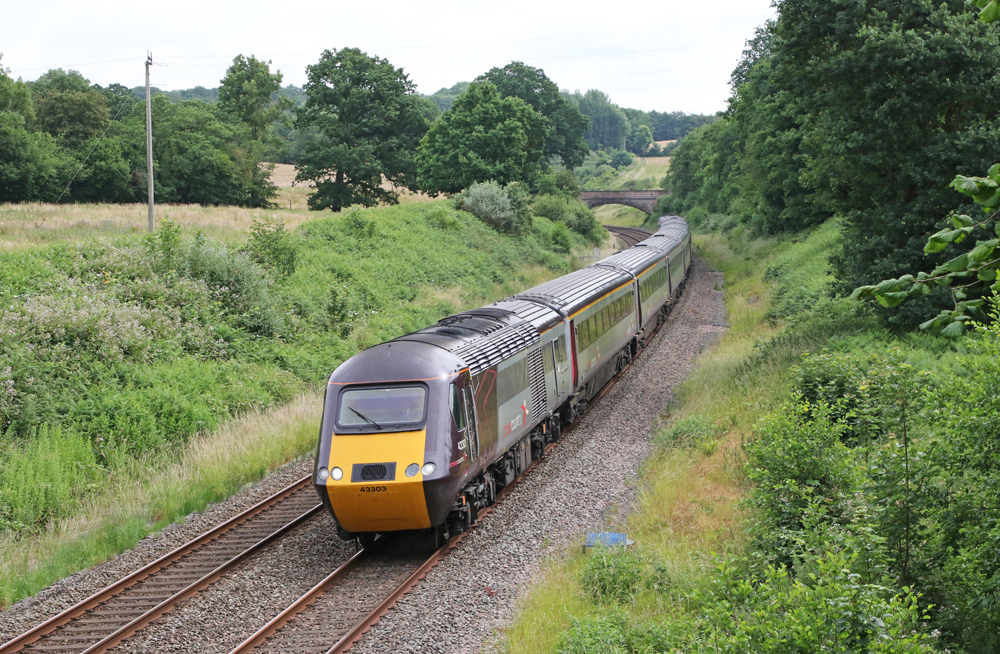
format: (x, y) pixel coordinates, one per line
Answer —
(642, 200)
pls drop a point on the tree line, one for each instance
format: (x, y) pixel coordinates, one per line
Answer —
(866, 111)
(357, 123)
(65, 139)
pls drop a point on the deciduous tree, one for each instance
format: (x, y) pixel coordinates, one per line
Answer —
(564, 124)
(371, 121)
(484, 136)
(249, 92)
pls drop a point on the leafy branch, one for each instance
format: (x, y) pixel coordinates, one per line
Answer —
(969, 271)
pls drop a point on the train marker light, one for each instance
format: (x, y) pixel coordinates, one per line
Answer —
(337, 474)
(412, 469)
(323, 474)
(428, 468)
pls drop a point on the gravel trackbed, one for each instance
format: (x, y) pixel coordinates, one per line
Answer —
(466, 601)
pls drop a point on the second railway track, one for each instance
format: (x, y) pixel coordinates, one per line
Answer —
(629, 235)
(336, 613)
(126, 607)
(322, 621)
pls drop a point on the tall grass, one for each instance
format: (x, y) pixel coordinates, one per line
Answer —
(140, 496)
(690, 490)
(159, 366)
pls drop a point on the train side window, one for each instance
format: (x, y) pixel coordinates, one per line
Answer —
(456, 408)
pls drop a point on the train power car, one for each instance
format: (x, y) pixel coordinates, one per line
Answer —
(421, 432)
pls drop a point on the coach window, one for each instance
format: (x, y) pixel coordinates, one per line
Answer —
(456, 408)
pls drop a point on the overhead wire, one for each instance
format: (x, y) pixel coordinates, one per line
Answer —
(99, 141)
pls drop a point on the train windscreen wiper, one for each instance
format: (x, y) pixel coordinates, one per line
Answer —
(365, 418)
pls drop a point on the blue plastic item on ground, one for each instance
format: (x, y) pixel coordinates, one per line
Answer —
(607, 539)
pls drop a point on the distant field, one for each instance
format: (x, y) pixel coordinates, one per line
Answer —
(647, 168)
(295, 196)
(33, 224)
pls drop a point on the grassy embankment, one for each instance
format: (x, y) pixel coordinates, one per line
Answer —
(143, 378)
(690, 490)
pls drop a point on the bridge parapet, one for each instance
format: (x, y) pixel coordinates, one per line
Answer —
(642, 200)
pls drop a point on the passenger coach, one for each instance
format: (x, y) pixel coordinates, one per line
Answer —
(421, 432)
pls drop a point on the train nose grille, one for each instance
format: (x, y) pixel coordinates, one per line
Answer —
(373, 472)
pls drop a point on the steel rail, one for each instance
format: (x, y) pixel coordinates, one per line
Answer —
(630, 235)
(337, 576)
(188, 582)
(348, 640)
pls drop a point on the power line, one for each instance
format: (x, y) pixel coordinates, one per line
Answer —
(99, 141)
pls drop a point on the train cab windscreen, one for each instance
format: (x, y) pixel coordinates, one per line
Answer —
(378, 408)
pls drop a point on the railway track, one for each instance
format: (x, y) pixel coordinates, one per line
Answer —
(337, 612)
(629, 235)
(126, 607)
(330, 618)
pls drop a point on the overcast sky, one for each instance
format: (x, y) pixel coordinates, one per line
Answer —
(667, 55)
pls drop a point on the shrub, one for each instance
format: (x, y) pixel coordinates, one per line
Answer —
(240, 287)
(611, 574)
(81, 317)
(44, 478)
(621, 159)
(795, 458)
(583, 221)
(692, 431)
(490, 203)
(598, 635)
(552, 207)
(561, 241)
(831, 611)
(272, 247)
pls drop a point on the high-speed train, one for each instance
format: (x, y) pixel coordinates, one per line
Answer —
(421, 432)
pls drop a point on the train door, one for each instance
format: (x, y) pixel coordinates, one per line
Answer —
(459, 414)
(561, 366)
(473, 428)
(572, 350)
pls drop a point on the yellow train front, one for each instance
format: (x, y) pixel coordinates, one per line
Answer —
(391, 456)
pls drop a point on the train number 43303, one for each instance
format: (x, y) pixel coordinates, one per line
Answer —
(372, 489)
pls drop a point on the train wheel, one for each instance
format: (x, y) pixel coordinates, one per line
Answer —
(441, 535)
(366, 539)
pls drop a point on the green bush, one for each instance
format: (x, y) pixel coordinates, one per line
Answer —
(598, 635)
(621, 159)
(691, 431)
(552, 207)
(796, 458)
(831, 611)
(272, 247)
(571, 211)
(492, 204)
(560, 236)
(44, 477)
(611, 574)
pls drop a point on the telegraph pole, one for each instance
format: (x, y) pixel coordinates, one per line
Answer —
(149, 143)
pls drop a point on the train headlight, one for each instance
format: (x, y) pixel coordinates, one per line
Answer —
(412, 469)
(428, 468)
(337, 474)
(323, 474)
